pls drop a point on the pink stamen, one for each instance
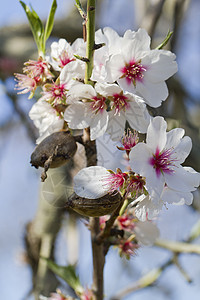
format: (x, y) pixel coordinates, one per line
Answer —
(98, 104)
(136, 184)
(64, 59)
(129, 140)
(162, 161)
(115, 181)
(133, 71)
(120, 102)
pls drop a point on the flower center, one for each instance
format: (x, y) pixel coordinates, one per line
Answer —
(64, 59)
(119, 103)
(162, 161)
(58, 91)
(133, 71)
(98, 103)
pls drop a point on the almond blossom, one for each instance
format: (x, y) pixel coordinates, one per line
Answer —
(138, 69)
(159, 162)
(105, 108)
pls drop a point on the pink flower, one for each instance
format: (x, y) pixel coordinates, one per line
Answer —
(87, 295)
(129, 140)
(39, 68)
(127, 248)
(55, 93)
(116, 180)
(26, 84)
(126, 222)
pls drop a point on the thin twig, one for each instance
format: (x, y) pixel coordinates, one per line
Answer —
(98, 260)
(106, 232)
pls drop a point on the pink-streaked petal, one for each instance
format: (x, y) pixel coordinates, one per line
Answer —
(184, 179)
(89, 182)
(156, 134)
(177, 198)
(139, 161)
(98, 124)
(78, 115)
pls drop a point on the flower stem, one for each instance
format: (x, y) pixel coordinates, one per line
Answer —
(90, 28)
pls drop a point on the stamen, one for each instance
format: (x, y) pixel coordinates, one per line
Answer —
(162, 161)
(133, 71)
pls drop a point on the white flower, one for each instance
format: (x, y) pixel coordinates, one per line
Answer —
(93, 112)
(139, 69)
(159, 161)
(124, 107)
(45, 118)
(110, 38)
(63, 52)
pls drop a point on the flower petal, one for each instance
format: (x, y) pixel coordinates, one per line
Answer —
(137, 114)
(78, 115)
(156, 134)
(184, 179)
(146, 210)
(173, 197)
(146, 232)
(98, 125)
(88, 183)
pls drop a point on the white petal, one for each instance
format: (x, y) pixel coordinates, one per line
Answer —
(162, 65)
(184, 179)
(156, 134)
(173, 137)
(114, 66)
(81, 91)
(89, 183)
(146, 232)
(107, 89)
(78, 115)
(116, 125)
(173, 197)
(98, 125)
(73, 70)
(146, 210)
(183, 149)
(153, 92)
(137, 115)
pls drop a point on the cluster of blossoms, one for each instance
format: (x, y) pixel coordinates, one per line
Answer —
(155, 177)
(132, 233)
(127, 76)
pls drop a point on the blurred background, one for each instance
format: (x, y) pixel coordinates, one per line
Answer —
(23, 212)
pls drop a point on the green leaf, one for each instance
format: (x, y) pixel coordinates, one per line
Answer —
(166, 40)
(68, 274)
(36, 25)
(50, 22)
